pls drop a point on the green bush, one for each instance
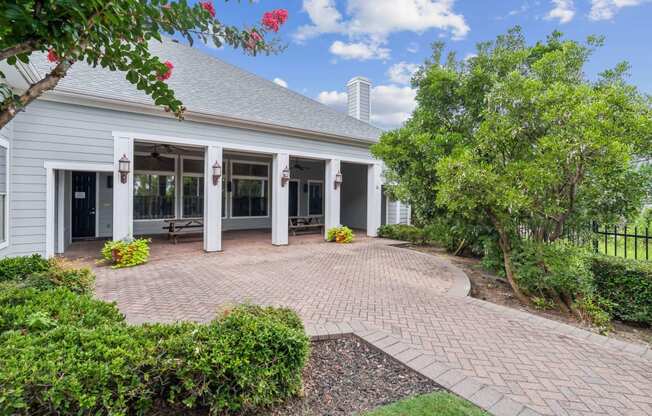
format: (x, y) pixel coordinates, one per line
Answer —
(126, 253)
(402, 232)
(62, 272)
(627, 284)
(343, 235)
(64, 353)
(19, 268)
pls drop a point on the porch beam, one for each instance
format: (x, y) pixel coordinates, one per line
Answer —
(212, 200)
(280, 199)
(332, 195)
(374, 197)
(123, 193)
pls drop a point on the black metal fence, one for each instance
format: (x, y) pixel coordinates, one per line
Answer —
(628, 242)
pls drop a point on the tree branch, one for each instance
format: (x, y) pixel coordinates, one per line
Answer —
(28, 46)
(35, 91)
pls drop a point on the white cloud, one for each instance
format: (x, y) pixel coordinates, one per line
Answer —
(401, 73)
(607, 9)
(281, 82)
(372, 22)
(564, 11)
(359, 50)
(413, 47)
(391, 105)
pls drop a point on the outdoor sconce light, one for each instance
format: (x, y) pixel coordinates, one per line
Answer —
(285, 176)
(217, 173)
(123, 168)
(338, 179)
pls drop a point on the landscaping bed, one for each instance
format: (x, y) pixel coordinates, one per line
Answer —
(494, 289)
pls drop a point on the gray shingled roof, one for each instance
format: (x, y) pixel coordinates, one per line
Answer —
(211, 86)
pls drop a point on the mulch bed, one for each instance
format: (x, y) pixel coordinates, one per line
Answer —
(344, 376)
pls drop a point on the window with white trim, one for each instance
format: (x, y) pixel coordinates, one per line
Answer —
(154, 187)
(193, 188)
(4, 177)
(315, 198)
(249, 196)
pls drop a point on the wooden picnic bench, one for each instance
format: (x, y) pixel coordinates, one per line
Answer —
(178, 226)
(305, 224)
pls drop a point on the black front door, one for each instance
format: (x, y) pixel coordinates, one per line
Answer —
(83, 205)
(293, 206)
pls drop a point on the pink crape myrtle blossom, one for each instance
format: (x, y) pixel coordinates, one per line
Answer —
(52, 56)
(168, 73)
(208, 6)
(274, 19)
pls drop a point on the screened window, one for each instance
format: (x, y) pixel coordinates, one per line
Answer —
(249, 196)
(4, 163)
(193, 188)
(154, 188)
(315, 198)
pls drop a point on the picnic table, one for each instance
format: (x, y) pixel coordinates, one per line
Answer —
(178, 226)
(305, 224)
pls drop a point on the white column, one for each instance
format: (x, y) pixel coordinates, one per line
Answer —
(61, 210)
(332, 195)
(50, 190)
(373, 199)
(212, 200)
(280, 199)
(123, 193)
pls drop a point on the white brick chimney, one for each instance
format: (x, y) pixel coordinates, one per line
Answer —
(359, 95)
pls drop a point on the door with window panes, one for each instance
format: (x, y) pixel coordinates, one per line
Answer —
(249, 195)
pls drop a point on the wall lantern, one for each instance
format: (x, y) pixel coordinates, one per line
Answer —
(338, 179)
(123, 168)
(217, 173)
(285, 176)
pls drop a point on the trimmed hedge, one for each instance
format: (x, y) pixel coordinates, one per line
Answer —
(65, 353)
(19, 268)
(627, 284)
(402, 232)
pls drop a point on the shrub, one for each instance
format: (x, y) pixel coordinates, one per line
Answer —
(126, 253)
(627, 284)
(341, 234)
(62, 272)
(402, 232)
(64, 353)
(19, 268)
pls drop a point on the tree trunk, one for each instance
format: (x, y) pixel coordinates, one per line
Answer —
(506, 248)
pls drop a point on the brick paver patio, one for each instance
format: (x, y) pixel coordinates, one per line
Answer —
(418, 298)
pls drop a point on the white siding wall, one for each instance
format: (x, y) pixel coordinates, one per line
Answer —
(63, 132)
(7, 134)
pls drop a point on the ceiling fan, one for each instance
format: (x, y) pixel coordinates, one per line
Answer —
(156, 154)
(297, 166)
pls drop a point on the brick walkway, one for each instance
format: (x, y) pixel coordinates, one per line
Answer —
(549, 367)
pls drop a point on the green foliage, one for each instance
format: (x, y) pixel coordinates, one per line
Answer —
(343, 235)
(552, 271)
(35, 271)
(126, 253)
(67, 353)
(402, 232)
(627, 284)
(113, 35)
(19, 268)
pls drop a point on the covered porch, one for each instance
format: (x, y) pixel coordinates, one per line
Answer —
(208, 196)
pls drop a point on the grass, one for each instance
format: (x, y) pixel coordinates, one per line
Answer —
(439, 403)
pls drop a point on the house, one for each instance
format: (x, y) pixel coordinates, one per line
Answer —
(96, 159)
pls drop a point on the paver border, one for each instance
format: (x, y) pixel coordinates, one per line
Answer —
(424, 363)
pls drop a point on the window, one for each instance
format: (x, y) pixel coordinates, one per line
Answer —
(4, 177)
(315, 198)
(193, 188)
(154, 188)
(250, 189)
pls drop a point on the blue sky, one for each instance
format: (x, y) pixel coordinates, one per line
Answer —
(330, 41)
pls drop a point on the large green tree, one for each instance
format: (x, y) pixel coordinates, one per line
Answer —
(113, 34)
(518, 136)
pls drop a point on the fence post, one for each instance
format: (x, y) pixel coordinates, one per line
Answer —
(594, 237)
